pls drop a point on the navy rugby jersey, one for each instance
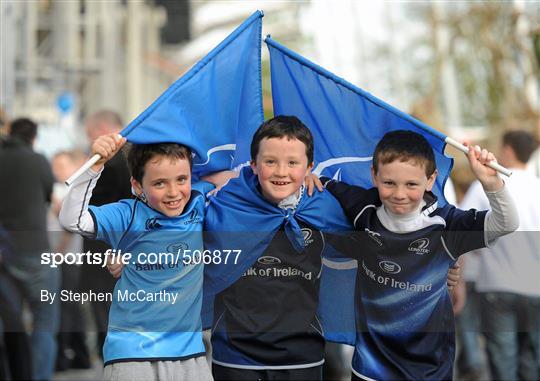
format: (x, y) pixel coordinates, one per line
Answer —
(268, 318)
(404, 318)
(151, 326)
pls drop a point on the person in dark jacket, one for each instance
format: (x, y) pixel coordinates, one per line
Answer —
(27, 182)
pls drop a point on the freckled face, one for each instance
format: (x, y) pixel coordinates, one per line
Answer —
(166, 184)
(281, 165)
(402, 185)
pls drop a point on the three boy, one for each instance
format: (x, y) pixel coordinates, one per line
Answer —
(257, 335)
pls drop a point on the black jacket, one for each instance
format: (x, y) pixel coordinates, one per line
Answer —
(26, 183)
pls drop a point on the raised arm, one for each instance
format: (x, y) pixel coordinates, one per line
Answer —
(74, 215)
(503, 217)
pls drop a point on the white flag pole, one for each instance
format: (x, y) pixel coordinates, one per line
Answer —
(499, 168)
(93, 160)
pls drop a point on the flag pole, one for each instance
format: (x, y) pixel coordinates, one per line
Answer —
(496, 166)
(93, 160)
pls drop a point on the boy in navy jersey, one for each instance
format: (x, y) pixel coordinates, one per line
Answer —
(265, 322)
(404, 314)
(154, 325)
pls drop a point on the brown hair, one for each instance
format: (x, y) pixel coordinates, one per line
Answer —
(283, 126)
(404, 145)
(140, 154)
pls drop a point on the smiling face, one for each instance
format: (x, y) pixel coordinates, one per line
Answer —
(402, 185)
(166, 183)
(281, 165)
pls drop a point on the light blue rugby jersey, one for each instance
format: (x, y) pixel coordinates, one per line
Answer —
(154, 330)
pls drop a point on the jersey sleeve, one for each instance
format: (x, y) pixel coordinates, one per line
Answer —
(353, 199)
(464, 231)
(111, 221)
(343, 245)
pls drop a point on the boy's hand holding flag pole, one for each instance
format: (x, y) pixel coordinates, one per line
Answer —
(465, 149)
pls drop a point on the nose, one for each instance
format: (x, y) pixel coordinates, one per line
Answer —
(399, 193)
(172, 190)
(281, 170)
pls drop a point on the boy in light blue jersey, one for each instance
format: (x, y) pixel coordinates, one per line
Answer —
(404, 319)
(154, 322)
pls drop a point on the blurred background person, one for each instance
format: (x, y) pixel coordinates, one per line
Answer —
(3, 127)
(112, 186)
(507, 282)
(15, 363)
(25, 193)
(72, 349)
(533, 164)
(471, 361)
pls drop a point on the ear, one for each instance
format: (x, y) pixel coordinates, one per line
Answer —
(310, 167)
(373, 177)
(136, 186)
(431, 180)
(253, 166)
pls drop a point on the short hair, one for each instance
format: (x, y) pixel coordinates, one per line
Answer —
(283, 126)
(23, 128)
(522, 143)
(404, 145)
(106, 116)
(140, 154)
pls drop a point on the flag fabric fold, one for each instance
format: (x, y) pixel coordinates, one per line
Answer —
(215, 107)
(346, 121)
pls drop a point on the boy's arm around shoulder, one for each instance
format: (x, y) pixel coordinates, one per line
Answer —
(353, 199)
(218, 180)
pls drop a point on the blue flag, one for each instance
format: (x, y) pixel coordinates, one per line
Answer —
(346, 121)
(215, 107)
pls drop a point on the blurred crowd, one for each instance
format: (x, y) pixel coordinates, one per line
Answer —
(497, 303)
(55, 338)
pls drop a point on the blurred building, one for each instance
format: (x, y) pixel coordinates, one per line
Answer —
(62, 60)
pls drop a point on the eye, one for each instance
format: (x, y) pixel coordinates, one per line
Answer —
(158, 184)
(269, 161)
(293, 163)
(412, 185)
(388, 183)
(182, 180)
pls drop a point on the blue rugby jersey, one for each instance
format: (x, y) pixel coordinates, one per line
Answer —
(268, 318)
(404, 318)
(156, 329)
